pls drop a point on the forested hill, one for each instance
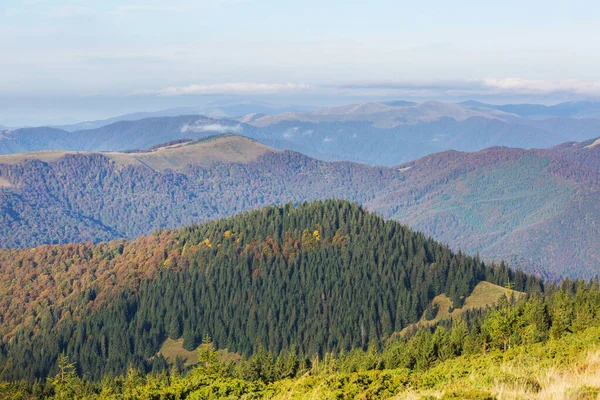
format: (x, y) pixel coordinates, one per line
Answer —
(325, 276)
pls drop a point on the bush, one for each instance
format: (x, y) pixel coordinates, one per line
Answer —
(472, 394)
(583, 393)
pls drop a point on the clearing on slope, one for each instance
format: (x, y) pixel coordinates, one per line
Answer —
(171, 349)
(485, 294)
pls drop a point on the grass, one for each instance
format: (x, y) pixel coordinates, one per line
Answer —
(171, 349)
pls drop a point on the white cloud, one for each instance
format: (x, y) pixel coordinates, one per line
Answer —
(212, 128)
(249, 88)
(532, 86)
(327, 139)
(485, 86)
(467, 88)
(289, 133)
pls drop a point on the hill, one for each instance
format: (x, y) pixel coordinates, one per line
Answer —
(507, 204)
(204, 152)
(385, 115)
(325, 276)
(291, 302)
(81, 197)
(378, 133)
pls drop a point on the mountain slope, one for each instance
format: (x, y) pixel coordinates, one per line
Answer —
(325, 276)
(384, 115)
(575, 109)
(534, 208)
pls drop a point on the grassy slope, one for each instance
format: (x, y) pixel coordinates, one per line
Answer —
(229, 148)
(171, 349)
(485, 294)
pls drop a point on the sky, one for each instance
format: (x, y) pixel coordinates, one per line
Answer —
(68, 60)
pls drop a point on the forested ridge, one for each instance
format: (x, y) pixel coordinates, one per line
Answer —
(87, 197)
(322, 277)
(506, 204)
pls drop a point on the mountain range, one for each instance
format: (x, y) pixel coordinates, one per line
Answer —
(534, 208)
(385, 133)
(217, 109)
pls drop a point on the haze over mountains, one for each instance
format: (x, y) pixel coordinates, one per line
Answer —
(534, 208)
(386, 133)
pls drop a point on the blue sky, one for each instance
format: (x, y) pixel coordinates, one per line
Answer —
(91, 59)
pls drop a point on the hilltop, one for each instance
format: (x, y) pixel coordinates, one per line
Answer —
(204, 152)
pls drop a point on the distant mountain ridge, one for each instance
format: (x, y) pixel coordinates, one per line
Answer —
(385, 115)
(576, 109)
(534, 208)
(385, 133)
(218, 109)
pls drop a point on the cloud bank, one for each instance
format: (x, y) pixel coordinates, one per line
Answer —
(431, 89)
(240, 88)
(486, 86)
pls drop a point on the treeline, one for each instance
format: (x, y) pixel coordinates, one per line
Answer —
(323, 277)
(563, 313)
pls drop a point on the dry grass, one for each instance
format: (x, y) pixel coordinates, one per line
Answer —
(45, 156)
(580, 381)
